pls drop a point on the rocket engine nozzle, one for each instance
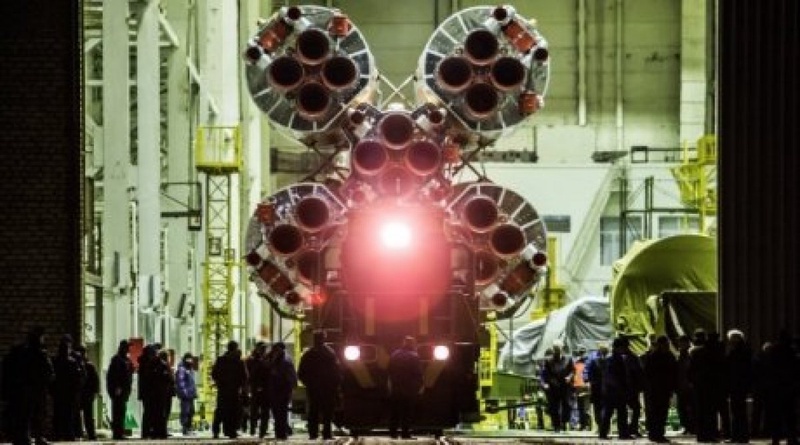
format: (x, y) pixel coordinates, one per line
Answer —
(480, 213)
(313, 46)
(481, 46)
(285, 239)
(423, 157)
(339, 73)
(313, 101)
(507, 240)
(285, 74)
(370, 157)
(507, 73)
(396, 129)
(454, 74)
(312, 213)
(480, 101)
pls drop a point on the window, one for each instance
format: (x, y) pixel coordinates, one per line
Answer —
(557, 223)
(610, 237)
(676, 225)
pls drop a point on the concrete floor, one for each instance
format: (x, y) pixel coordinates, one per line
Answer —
(472, 437)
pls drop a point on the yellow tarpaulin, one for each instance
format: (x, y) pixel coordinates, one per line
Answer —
(682, 263)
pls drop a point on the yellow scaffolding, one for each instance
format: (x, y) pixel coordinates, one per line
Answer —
(697, 178)
(218, 155)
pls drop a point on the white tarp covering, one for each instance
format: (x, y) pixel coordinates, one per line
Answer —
(581, 323)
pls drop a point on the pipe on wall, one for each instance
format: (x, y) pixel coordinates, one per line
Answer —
(618, 45)
(581, 62)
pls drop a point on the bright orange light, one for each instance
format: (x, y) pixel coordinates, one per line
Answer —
(395, 235)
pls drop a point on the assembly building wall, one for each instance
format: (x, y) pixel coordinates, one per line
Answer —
(759, 166)
(40, 174)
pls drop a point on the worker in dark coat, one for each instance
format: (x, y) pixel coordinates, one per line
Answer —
(66, 391)
(703, 376)
(684, 391)
(593, 375)
(119, 382)
(557, 376)
(320, 373)
(163, 390)
(405, 386)
(660, 370)
(150, 404)
(282, 381)
(89, 392)
(782, 390)
(616, 390)
(27, 374)
(739, 366)
(258, 380)
(230, 376)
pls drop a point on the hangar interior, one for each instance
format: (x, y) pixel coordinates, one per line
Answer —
(623, 151)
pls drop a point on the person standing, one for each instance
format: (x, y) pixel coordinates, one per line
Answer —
(163, 389)
(186, 389)
(593, 376)
(615, 391)
(119, 382)
(405, 385)
(282, 381)
(703, 377)
(660, 370)
(684, 391)
(27, 374)
(636, 382)
(557, 377)
(66, 390)
(230, 376)
(320, 373)
(88, 394)
(258, 380)
(739, 365)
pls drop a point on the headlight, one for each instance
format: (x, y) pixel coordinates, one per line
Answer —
(352, 353)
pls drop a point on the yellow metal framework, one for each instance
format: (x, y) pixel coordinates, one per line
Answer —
(697, 178)
(218, 155)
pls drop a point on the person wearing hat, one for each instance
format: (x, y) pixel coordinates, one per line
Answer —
(405, 386)
(258, 373)
(282, 381)
(88, 394)
(557, 378)
(186, 389)
(119, 381)
(230, 376)
(65, 390)
(320, 373)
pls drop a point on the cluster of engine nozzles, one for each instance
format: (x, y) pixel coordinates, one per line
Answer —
(503, 240)
(479, 71)
(396, 156)
(311, 72)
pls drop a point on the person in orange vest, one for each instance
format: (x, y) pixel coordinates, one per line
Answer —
(581, 392)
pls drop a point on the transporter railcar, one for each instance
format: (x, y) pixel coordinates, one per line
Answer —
(382, 241)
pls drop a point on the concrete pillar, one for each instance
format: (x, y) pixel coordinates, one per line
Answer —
(180, 175)
(116, 241)
(148, 115)
(693, 70)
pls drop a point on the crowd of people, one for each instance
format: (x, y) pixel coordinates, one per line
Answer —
(250, 391)
(707, 380)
